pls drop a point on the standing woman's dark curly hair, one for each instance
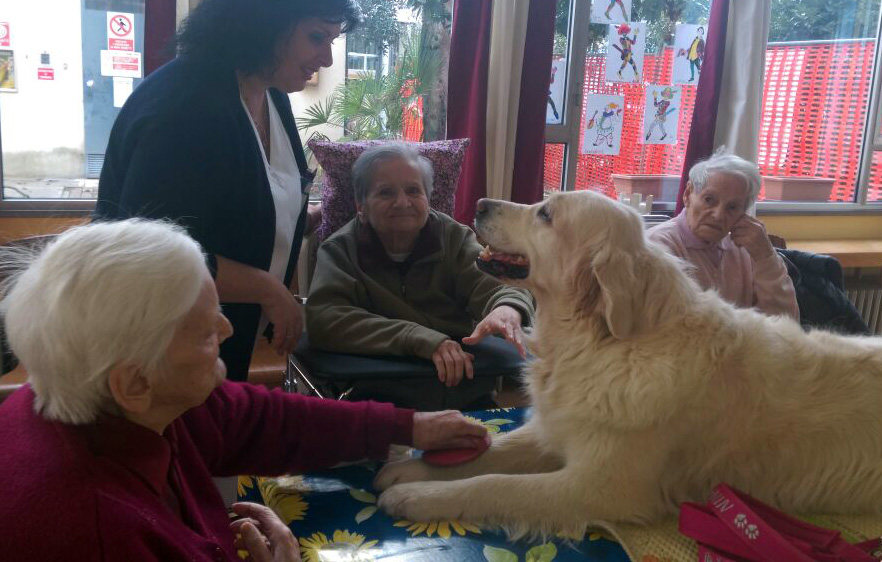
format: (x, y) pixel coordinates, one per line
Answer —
(244, 34)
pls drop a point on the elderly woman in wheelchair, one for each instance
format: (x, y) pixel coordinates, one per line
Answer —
(400, 279)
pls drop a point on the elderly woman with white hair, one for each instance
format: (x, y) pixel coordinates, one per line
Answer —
(728, 248)
(400, 279)
(109, 451)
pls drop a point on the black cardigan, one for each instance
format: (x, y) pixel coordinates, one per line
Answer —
(184, 148)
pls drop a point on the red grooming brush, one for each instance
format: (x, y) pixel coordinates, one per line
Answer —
(450, 457)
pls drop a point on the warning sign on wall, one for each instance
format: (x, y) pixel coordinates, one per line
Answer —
(120, 31)
(115, 63)
(45, 73)
(5, 40)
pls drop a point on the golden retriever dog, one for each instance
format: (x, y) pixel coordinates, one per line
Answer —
(647, 391)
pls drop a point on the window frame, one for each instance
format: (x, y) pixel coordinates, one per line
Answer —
(568, 131)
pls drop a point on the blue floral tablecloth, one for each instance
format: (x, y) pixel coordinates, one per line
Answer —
(334, 515)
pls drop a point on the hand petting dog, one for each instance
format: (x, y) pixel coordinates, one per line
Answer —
(503, 320)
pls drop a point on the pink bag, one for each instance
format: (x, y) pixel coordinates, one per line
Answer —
(734, 527)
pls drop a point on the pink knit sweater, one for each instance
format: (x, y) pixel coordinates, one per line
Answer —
(730, 269)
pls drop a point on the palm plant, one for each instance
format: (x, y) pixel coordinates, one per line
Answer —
(375, 107)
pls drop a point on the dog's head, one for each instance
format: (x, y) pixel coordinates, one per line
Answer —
(581, 249)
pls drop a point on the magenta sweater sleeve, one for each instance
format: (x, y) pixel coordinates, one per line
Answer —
(247, 429)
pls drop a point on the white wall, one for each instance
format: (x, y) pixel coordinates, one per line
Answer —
(328, 79)
(43, 120)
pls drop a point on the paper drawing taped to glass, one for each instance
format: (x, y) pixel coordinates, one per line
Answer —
(7, 71)
(603, 124)
(689, 42)
(554, 106)
(661, 114)
(624, 55)
(610, 11)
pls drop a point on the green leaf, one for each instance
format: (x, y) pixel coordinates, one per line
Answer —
(498, 422)
(362, 496)
(542, 553)
(493, 554)
(365, 513)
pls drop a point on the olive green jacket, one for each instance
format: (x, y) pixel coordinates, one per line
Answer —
(363, 302)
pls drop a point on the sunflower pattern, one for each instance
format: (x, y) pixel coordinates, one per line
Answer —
(343, 546)
(334, 514)
(285, 497)
(543, 553)
(442, 528)
(493, 425)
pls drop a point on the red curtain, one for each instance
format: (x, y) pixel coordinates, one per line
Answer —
(529, 164)
(159, 31)
(467, 99)
(707, 97)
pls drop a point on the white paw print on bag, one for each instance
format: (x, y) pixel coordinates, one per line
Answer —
(750, 530)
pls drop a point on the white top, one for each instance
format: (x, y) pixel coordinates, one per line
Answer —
(285, 184)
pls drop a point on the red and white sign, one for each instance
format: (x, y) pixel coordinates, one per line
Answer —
(45, 73)
(120, 31)
(114, 63)
(5, 41)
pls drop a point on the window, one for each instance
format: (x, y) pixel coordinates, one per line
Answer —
(365, 54)
(607, 102)
(816, 100)
(57, 97)
(57, 108)
(395, 82)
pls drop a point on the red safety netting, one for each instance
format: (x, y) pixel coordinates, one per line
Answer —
(593, 171)
(815, 100)
(815, 104)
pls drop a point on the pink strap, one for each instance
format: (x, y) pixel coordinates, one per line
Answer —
(736, 526)
(760, 537)
(815, 542)
(700, 523)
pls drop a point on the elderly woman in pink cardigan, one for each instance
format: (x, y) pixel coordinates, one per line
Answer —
(728, 248)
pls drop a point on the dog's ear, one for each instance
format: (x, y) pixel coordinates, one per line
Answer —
(620, 294)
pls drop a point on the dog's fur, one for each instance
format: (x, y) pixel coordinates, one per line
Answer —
(647, 391)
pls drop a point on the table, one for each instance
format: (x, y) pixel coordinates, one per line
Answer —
(334, 515)
(850, 253)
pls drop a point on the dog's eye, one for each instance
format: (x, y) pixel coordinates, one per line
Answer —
(544, 214)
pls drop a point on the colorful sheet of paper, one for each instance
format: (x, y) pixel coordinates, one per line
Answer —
(689, 41)
(626, 43)
(610, 11)
(661, 114)
(603, 124)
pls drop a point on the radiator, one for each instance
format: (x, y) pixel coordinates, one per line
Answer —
(865, 292)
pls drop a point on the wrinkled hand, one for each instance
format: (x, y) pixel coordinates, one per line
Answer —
(286, 316)
(448, 429)
(503, 320)
(750, 234)
(263, 534)
(452, 361)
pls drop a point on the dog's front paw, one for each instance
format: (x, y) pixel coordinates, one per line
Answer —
(413, 470)
(420, 501)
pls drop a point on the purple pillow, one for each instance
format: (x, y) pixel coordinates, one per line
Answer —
(337, 158)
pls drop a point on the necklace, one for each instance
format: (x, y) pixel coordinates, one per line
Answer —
(261, 122)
